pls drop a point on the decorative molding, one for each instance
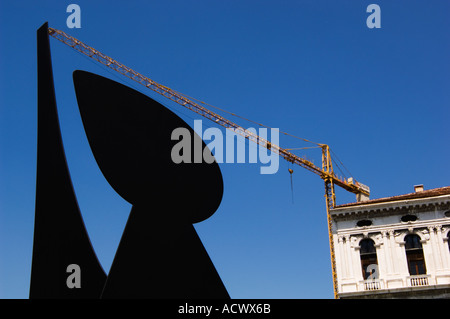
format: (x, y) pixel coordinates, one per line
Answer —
(412, 206)
(378, 239)
(388, 233)
(426, 234)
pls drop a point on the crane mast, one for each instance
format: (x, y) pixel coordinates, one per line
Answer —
(325, 172)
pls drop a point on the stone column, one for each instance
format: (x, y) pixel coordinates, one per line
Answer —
(387, 252)
(343, 261)
(393, 253)
(435, 249)
(349, 256)
(443, 248)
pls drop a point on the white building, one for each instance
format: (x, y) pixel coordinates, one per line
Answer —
(395, 247)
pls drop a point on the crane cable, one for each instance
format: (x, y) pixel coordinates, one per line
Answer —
(245, 119)
(257, 123)
(292, 184)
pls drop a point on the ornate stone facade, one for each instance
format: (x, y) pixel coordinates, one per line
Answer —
(399, 270)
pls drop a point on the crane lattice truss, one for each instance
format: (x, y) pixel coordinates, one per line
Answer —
(325, 172)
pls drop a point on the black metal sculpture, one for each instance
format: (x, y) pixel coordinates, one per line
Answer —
(60, 238)
(160, 254)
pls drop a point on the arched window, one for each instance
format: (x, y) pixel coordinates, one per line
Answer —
(414, 255)
(448, 240)
(369, 262)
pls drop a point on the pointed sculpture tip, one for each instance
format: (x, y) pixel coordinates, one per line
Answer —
(44, 26)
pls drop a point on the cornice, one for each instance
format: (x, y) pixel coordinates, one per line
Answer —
(392, 208)
(441, 224)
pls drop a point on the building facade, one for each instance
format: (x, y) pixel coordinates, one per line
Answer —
(395, 247)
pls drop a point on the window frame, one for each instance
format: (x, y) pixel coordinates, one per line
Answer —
(414, 255)
(368, 258)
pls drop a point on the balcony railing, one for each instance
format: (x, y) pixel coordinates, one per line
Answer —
(371, 284)
(393, 283)
(418, 280)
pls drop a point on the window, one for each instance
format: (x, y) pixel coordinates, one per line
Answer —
(369, 262)
(363, 223)
(414, 255)
(409, 218)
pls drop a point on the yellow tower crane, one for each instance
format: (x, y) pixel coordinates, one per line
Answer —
(325, 172)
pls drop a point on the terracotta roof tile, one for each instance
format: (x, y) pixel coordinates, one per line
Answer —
(423, 194)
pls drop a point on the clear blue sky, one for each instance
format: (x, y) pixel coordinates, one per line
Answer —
(379, 97)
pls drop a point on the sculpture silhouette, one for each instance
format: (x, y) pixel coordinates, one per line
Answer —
(60, 237)
(160, 254)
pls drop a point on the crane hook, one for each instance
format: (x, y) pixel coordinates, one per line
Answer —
(292, 186)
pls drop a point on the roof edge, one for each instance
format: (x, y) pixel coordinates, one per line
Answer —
(417, 195)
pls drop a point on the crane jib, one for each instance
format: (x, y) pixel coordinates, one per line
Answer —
(324, 173)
